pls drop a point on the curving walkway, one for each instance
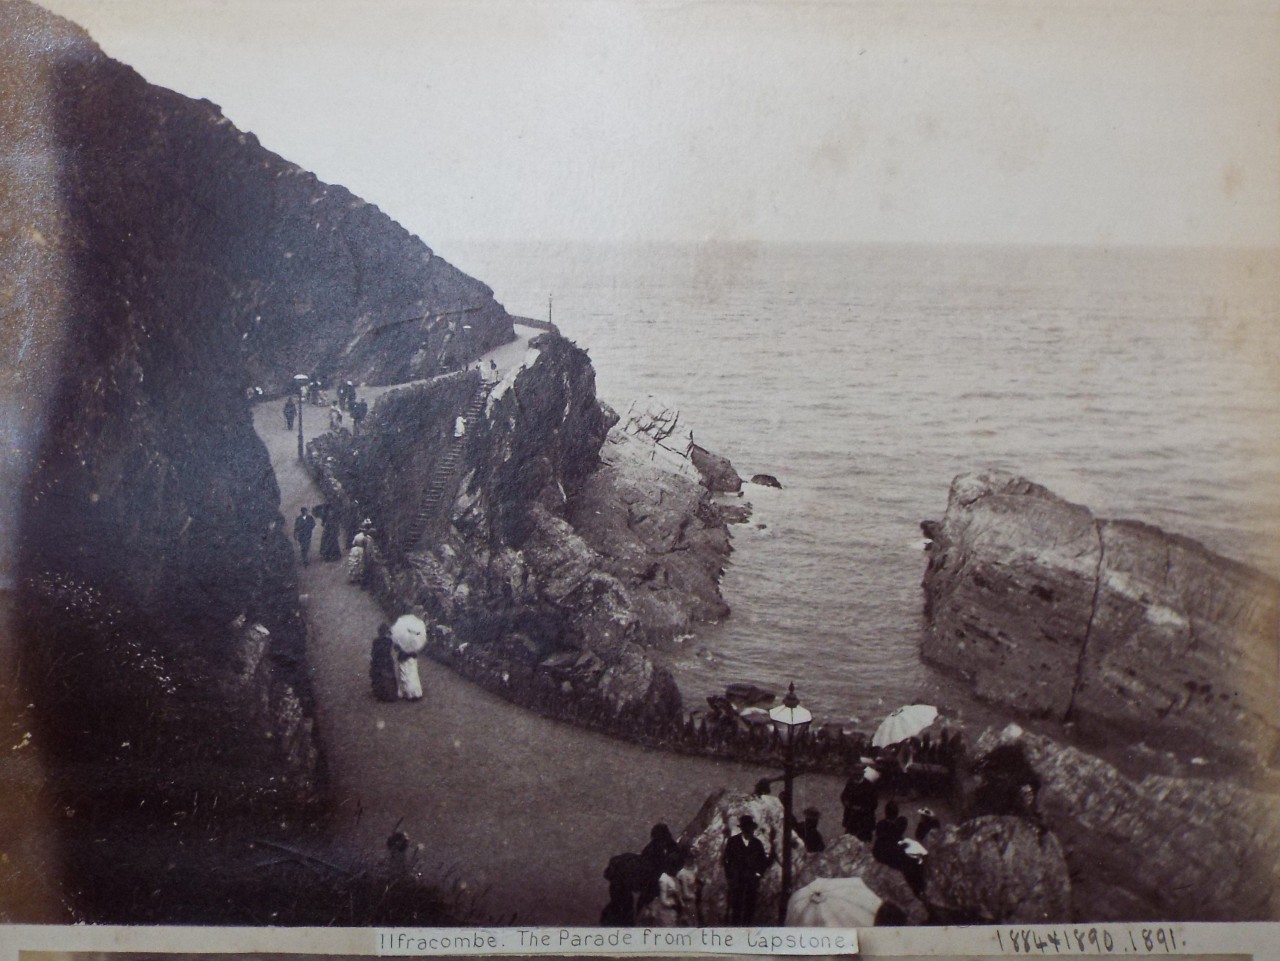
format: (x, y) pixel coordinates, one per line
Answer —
(524, 808)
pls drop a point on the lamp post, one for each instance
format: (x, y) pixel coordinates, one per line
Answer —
(301, 380)
(790, 720)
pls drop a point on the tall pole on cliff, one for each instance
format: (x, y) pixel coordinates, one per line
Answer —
(790, 720)
(548, 308)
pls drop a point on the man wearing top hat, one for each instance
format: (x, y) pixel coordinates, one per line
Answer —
(744, 862)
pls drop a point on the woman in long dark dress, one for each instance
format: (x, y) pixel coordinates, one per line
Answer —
(382, 666)
(330, 547)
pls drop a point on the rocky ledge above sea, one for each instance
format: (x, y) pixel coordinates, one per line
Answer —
(1130, 634)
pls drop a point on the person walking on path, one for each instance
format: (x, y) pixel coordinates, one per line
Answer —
(744, 861)
(303, 527)
(290, 411)
(382, 666)
(330, 546)
(358, 556)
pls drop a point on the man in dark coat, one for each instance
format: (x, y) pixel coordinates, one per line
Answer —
(744, 862)
(889, 830)
(290, 410)
(303, 527)
(359, 409)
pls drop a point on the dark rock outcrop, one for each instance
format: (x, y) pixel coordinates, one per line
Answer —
(1154, 847)
(766, 480)
(1124, 629)
(555, 558)
(997, 870)
(717, 473)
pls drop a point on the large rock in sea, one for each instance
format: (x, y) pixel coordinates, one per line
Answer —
(998, 870)
(1154, 847)
(717, 472)
(1124, 629)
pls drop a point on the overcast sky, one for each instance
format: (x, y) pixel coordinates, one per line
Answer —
(904, 120)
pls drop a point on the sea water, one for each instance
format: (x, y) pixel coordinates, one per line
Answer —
(1143, 383)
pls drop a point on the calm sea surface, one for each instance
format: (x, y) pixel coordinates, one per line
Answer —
(1143, 383)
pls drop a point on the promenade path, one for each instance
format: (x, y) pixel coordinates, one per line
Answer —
(526, 809)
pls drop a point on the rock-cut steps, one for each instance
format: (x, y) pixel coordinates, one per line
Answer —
(444, 476)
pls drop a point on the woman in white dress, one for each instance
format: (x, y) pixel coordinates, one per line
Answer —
(407, 680)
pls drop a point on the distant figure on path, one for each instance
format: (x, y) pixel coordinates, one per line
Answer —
(330, 546)
(335, 417)
(358, 556)
(744, 861)
(303, 527)
(382, 666)
(459, 426)
(290, 411)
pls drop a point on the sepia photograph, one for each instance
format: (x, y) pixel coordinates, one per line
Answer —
(633, 463)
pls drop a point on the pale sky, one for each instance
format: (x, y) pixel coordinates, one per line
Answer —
(1012, 121)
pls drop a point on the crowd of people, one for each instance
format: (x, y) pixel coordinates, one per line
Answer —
(347, 404)
(636, 879)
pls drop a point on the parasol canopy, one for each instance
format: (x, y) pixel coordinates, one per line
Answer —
(833, 903)
(409, 634)
(905, 722)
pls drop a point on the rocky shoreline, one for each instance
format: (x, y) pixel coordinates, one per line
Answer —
(1123, 631)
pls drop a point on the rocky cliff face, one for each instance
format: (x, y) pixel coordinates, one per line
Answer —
(163, 263)
(1128, 631)
(1154, 847)
(550, 559)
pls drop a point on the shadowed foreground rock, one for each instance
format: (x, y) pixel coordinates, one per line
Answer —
(1129, 632)
(1155, 847)
(998, 870)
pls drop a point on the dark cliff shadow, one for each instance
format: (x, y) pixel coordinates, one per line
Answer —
(149, 543)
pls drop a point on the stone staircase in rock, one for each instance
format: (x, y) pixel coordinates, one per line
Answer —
(444, 476)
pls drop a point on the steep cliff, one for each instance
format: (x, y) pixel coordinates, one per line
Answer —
(550, 559)
(1127, 631)
(162, 264)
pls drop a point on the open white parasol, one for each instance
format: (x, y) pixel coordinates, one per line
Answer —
(833, 903)
(903, 723)
(409, 634)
